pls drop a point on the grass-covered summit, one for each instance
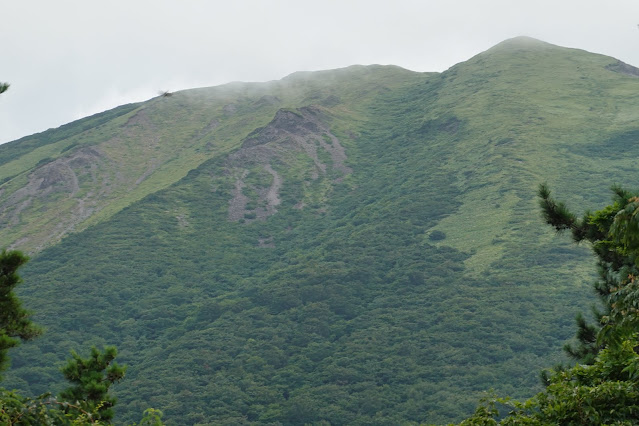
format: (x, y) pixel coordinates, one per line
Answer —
(356, 246)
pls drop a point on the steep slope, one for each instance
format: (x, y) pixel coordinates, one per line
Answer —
(64, 180)
(359, 246)
(572, 123)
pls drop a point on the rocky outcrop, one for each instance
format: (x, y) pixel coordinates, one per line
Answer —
(623, 68)
(300, 131)
(64, 179)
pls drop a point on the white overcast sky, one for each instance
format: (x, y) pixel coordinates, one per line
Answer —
(67, 59)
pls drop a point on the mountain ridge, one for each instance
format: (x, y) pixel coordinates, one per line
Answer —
(353, 247)
(137, 125)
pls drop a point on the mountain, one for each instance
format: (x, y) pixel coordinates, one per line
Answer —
(355, 246)
(67, 179)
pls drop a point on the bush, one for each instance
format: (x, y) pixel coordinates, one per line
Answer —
(436, 236)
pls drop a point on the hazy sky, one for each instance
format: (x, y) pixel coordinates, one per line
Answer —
(69, 59)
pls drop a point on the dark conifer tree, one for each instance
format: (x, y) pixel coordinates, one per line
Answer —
(91, 379)
(15, 324)
(609, 232)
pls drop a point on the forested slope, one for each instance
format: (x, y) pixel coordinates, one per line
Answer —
(358, 246)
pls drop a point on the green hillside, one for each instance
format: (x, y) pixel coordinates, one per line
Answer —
(357, 246)
(64, 180)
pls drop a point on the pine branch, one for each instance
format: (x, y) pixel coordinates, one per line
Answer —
(555, 214)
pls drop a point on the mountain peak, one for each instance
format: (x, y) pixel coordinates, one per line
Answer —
(521, 42)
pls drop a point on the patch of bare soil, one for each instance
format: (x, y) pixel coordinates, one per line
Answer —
(229, 109)
(265, 242)
(182, 220)
(213, 124)
(237, 206)
(154, 165)
(140, 118)
(273, 193)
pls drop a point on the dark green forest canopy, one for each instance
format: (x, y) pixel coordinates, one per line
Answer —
(328, 300)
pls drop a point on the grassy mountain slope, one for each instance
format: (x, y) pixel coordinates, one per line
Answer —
(359, 246)
(64, 180)
(572, 123)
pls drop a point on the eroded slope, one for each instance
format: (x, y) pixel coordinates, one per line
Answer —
(87, 171)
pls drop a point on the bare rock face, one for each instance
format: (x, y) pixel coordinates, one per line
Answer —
(61, 195)
(62, 179)
(290, 133)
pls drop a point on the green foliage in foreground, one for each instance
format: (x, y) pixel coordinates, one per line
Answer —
(604, 387)
(87, 401)
(92, 378)
(15, 322)
(18, 410)
(606, 392)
